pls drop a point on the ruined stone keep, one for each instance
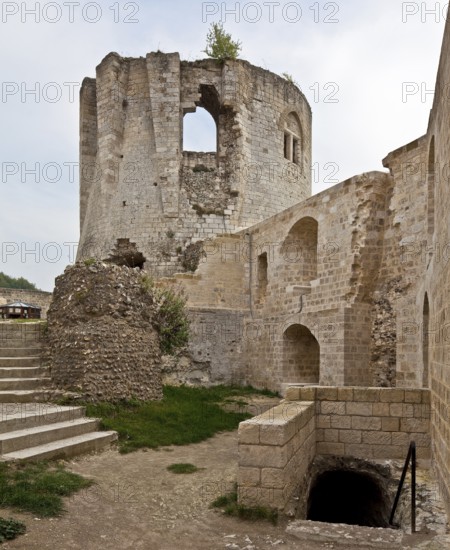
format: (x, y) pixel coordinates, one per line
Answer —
(348, 287)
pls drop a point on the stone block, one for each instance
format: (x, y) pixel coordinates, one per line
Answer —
(249, 476)
(366, 423)
(359, 409)
(248, 433)
(350, 436)
(390, 424)
(388, 395)
(263, 456)
(330, 448)
(273, 477)
(332, 408)
(370, 395)
(377, 438)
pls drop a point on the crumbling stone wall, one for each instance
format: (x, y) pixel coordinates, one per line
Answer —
(137, 183)
(101, 337)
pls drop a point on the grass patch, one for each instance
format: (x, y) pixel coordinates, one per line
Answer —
(10, 529)
(230, 506)
(185, 415)
(183, 468)
(37, 487)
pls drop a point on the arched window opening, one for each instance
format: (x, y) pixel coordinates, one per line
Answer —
(292, 139)
(425, 342)
(301, 356)
(299, 251)
(199, 131)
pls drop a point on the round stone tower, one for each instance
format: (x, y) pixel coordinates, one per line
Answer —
(145, 199)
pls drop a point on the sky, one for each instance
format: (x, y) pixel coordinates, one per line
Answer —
(367, 67)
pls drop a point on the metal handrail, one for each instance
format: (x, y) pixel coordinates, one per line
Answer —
(411, 456)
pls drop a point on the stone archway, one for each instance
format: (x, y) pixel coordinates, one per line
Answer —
(301, 356)
(299, 251)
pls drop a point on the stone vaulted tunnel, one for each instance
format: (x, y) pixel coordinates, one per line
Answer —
(351, 497)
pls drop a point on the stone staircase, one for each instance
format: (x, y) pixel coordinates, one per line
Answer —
(31, 427)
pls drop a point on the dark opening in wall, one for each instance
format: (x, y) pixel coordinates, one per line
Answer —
(262, 276)
(351, 497)
(126, 253)
(425, 342)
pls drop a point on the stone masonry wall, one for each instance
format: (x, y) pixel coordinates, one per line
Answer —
(101, 339)
(277, 447)
(137, 183)
(436, 284)
(34, 297)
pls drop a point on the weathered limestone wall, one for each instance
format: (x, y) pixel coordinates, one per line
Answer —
(369, 423)
(397, 315)
(275, 451)
(437, 280)
(101, 339)
(277, 447)
(322, 259)
(136, 181)
(34, 297)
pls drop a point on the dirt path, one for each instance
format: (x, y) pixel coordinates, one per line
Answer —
(137, 504)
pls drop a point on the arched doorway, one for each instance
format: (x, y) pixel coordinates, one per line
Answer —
(301, 356)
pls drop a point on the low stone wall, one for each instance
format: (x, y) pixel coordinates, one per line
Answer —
(275, 450)
(371, 422)
(277, 447)
(34, 297)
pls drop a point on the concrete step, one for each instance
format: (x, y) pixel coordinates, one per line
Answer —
(41, 435)
(10, 362)
(25, 396)
(21, 416)
(23, 383)
(23, 372)
(64, 448)
(20, 352)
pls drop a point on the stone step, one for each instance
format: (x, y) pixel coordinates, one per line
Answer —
(21, 416)
(11, 362)
(64, 448)
(19, 342)
(23, 383)
(23, 372)
(20, 352)
(41, 435)
(25, 396)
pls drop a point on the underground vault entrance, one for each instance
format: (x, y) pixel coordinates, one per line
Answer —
(349, 496)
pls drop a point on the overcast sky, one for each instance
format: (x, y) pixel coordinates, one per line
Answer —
(367, 67)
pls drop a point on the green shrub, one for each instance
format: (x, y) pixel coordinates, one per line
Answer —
(219, 44)
(10, 529)
(171, 319)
